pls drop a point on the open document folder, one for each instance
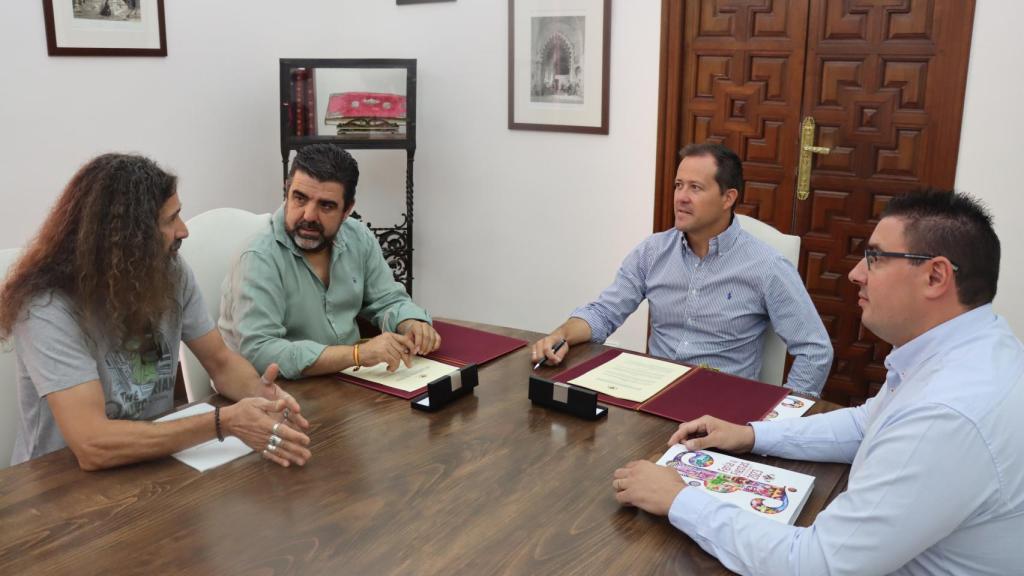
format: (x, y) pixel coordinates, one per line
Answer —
(407, 378)
(460, 347)
(694, 393)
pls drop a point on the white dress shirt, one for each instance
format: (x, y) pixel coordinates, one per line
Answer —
(937, 478)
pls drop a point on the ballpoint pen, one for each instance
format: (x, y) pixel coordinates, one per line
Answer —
(553, 351)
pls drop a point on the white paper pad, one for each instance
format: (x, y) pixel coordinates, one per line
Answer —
(631, 377)
(422, 372)
(790, 407)
(209, 454)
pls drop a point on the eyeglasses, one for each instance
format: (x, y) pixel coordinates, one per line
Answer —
(872, 256)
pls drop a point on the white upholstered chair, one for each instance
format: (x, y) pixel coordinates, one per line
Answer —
(773, 357)
(8, 382)
(216, 238)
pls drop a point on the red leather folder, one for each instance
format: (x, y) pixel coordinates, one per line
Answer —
(463, 346)
(696, 393)
(460, 346)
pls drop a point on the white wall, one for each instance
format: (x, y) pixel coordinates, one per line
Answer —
(990, 164)
(499, 213)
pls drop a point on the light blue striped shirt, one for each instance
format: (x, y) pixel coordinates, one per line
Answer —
(937, 478)
(713, 311)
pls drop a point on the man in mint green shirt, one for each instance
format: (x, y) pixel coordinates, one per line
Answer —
(296, 290)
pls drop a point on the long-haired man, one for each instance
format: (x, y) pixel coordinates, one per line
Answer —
(97, 306)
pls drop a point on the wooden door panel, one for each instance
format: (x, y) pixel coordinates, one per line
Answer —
(740, 84)
(885, 81)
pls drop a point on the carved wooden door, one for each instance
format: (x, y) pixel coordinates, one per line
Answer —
(884, 81)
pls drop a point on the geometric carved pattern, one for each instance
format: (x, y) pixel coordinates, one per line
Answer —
(709, 69)
(840, 159)
(907, 24)
(871, 74)
(765, 149)
(910, 78)
(742, 86)
(770, 19)
(835, 75)
(871, 63)
(771, 71)
(900, 162)
(758, 200)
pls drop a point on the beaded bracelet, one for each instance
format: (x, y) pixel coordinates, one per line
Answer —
(216, 422)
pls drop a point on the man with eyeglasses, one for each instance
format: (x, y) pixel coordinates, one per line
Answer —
(936, 481)
(295, 293)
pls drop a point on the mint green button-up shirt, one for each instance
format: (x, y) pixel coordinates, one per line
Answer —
(274, 308)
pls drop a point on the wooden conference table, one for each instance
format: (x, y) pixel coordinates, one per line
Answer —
(489, 485)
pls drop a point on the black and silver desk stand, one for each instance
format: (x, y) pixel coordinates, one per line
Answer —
(447, 389)
(567, 398)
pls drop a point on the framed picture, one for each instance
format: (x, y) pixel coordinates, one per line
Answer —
(558, 57)
(105, 27)
(400, 2)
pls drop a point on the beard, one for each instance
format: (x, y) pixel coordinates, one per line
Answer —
(175, 246)
(310, 244)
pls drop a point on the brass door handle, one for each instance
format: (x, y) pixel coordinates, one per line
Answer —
(807, 148)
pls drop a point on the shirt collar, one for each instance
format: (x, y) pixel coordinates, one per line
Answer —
(911, 355)
(282, 237)
(723, 242)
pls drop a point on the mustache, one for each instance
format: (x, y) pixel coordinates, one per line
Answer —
(306, 225)
(176, 245)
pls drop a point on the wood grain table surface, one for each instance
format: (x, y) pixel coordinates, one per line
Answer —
(489, 485)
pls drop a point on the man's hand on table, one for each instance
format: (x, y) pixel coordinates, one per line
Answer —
(422, 335)
(647, 486)
(711, 432)
(545, 349)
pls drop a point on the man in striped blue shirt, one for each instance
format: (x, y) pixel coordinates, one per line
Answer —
(712, 288)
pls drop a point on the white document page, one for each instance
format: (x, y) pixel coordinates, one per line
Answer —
(631, 377)
(422, 372)
(209, 454)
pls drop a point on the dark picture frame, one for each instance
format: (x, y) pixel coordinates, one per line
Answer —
(142, 33)
(558, 65)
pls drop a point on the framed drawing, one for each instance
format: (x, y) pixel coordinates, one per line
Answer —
(558, 57)
(105, 27)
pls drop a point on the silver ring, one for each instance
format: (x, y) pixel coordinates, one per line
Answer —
(273, 430)
(266, 454)
(274, 441)
(271, 448)
(287, 413)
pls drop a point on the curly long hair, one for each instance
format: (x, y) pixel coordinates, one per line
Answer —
(101, 246)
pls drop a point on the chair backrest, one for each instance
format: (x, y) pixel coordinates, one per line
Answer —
(773, 357)
(216, 238)
(8, 379)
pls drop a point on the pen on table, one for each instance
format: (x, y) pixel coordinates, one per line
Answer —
(553, 350)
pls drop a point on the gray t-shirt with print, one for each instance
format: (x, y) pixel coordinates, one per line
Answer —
(54, 354)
